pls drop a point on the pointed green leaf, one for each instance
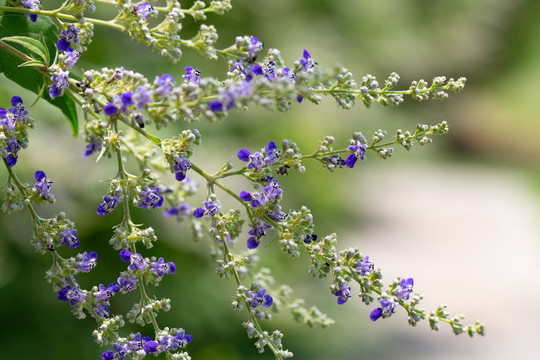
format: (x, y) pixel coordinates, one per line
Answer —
(30, 44)
(35, 63)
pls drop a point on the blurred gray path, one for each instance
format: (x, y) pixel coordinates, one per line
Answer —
(470, 237)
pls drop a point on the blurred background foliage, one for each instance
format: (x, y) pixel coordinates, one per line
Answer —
(494, 43)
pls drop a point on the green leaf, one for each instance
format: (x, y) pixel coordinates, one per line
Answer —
(31, 44)
(43, 31)
(35, 63)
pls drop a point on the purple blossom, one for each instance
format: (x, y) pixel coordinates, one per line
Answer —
(88, 262)
(126, 99)
(179, 211)
(93, 146)
(17, 113)
(278, 216)
(228, 96)
(43, 184)
(192, 75)
(146, 343)
(306, 61)
(256, 160)
(364, 266)
(126, 285)
(136, 261)
(143, 9)
(256, 234)
(150, 198)
(164, 85)
(161, 267)
(358, 150)
(12, 150)
(110, 109)
(70, 36)
(31, 5)
(68, 238)
(405, 289)
(60, 82)
(212, 209)
(272, 154)
(102, 310)
(73, 294)
(182, 165)
(388, 307)
(105, 293)
(270, 71)
(143, 97)
(109, 204)
(254, 46)
(343, 294)
(259, 298)
(272, 190)
(119, 353)
(71, 57)
(181, 340)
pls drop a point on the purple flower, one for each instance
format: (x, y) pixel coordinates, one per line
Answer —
(31, 5)
(110, 109)
(254, 46)
(73, 294)
(388, 307)
(143, 97)
(43, 184)
(93, 146)
(105, 293)
(146, 343)
(343, 294)
(60, 82)
(70, 37)
(88, 262)
(126, 99)
(120, 352)
(150, 198)
(126, 285)
(71, 57)
(306, 61)
(9, 118)
(181, 210)
(102, 310)
(405, 289)
(256, 234)
(164, 85)
(364, 266)
(161, 267)
(109, 204)
(143, 9)
(260, 298)
(136, 261)
(211, 209)
(181, 167)
(272, 191)
(272, 154)
(358, 150)
(256, 160)
(12, 150)
(68, 238)
(180, 340)
(192, 75)
(229, 95)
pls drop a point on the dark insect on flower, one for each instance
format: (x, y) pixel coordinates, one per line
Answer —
(283, 169)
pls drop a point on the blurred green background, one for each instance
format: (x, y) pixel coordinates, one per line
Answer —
(491, 153)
